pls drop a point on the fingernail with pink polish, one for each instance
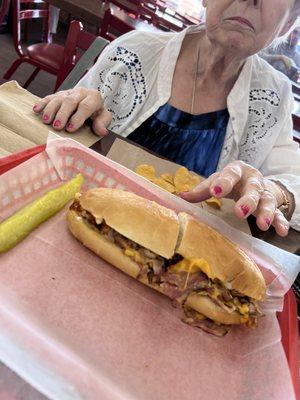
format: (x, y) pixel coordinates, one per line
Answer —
(245, 210)
(45, 117)
(217, 190)
(268, 221)
(35, 107)
(70, 126)
(57, 123)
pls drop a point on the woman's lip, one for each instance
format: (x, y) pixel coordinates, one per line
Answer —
(243, 21)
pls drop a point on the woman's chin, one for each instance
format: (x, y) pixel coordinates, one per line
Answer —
(236, 41)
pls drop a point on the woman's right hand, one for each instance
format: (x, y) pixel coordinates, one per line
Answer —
(69, 109)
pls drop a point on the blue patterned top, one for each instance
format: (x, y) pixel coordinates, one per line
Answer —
(194, 141)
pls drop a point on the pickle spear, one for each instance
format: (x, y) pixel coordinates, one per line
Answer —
(19, 225)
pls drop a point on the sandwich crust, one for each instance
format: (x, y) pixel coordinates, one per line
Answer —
(227, 262)
(140, 220)
(94, 241)
(163, 232)
(205, 306)
(111, 253)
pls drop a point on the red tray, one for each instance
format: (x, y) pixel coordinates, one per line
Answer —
(287, 319)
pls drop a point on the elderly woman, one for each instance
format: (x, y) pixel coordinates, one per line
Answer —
(204, 99)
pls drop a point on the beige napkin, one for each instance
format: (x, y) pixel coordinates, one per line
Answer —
(21, 128)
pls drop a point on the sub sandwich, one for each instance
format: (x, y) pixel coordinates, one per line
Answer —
(215, 282)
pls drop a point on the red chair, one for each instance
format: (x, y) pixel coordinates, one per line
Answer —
(112, 25)
(4, 10)
(130, 6)
(148, 15)
(43, 56)
(154, 5)
(145, 10)
(77, 41)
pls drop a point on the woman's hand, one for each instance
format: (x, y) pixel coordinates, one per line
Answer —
(253, 194)
(69, 109)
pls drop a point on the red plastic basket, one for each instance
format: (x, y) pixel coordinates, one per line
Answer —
(287, 319)
(11, 161)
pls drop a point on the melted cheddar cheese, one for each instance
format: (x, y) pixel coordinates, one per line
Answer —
(193, 265)
(134, 254)
(244, 309)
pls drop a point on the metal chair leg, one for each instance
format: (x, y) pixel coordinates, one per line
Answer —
(31, 78)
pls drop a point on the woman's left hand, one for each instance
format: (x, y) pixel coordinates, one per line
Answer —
(253, 194)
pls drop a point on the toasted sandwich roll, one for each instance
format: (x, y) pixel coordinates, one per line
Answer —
(138, 219)
(215, 282)
(96, 242)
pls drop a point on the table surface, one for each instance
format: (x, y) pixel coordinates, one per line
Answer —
(137, 24)
(92, 11)
(88, 10)
(291, 243)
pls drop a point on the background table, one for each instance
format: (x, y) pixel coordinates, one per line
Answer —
(92, 11)
(87, 10)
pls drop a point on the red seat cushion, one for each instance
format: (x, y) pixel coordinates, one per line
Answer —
(49, 54)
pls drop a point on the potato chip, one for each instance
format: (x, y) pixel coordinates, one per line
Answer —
(165, 185)
(168, 178)
(185, 180)
(146, 171)
(214, 202)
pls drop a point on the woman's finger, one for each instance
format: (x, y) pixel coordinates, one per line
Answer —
(252, 192)
(201, 192)
(67, 108)
(41, 104)
(265, 212)
(49, 112)
(101, 121)
(85, 109)
(227, 179)
(281, 224)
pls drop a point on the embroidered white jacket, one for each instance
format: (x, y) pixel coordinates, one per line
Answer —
(134, 75)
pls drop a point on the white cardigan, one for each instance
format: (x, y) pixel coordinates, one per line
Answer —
(134, 75)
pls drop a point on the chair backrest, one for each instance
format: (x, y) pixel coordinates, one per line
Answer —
(73, 67)
(4, 10)
(20, 14)
(112, 26)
